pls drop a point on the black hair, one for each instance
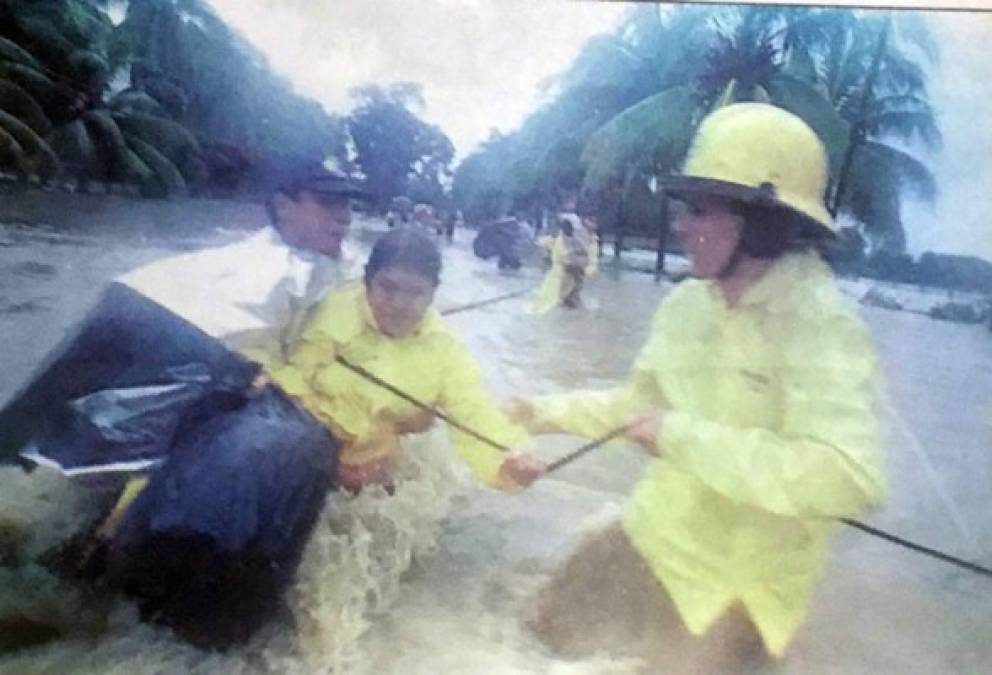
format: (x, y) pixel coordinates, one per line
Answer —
(566, 227)
(326, 187)
(407, 249)
(770, 232)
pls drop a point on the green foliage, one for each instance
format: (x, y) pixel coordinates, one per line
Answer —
(647, 85)
(132, 101)
(73, 143)
(192, 79)
(111, 148)
(12, 154)
(36, 155)
(17, 102)
(49, 96)
(220, 87)
(802, 99)
(396, 150)
(12, 52)
(170, 138)
(651, 134)
(166, 178)
(880, 175)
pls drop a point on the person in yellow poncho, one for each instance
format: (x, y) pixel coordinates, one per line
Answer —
(387, 326)
(756, 394)
(574, 253)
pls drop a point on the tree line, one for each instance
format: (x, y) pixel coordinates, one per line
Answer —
(621, 116)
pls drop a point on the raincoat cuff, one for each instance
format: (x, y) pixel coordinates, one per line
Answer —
(677, 430)
(486, 468)
(549, 410)
(291, 380)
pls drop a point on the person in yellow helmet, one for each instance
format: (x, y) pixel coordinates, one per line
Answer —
(755, 394)
(386, 325)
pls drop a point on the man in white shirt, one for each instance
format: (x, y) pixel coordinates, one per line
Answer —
(255, 295)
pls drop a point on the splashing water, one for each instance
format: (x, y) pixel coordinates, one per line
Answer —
(350, 573)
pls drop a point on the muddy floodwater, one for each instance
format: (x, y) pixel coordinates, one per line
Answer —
(439, 578)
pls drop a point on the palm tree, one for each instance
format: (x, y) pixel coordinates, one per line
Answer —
(883, 98)
(201, 107)
(53, 112)
(221, 88)
(611, 74)
(813, 62)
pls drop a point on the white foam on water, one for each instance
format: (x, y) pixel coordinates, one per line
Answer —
(349, 575)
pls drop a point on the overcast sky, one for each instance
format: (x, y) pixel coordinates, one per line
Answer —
(481, 62)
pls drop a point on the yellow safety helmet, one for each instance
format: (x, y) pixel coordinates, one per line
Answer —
(759, 153)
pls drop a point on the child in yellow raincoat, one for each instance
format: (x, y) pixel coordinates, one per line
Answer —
(386, 325)
(756, 392)
(574, 254)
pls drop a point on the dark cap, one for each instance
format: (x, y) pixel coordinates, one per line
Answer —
(319, 180)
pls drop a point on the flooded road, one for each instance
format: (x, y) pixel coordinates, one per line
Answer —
(459, 607)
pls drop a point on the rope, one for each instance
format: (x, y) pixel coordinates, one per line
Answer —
(592, 445)
(420, 404)
(919, 548)
(483, 303)
(557, 464)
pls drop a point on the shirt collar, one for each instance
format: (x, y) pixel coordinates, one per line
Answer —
(347, 252)
(772, 288)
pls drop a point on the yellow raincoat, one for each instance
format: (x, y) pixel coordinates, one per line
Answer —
(556, 285)
(770, 434)
(432, 365)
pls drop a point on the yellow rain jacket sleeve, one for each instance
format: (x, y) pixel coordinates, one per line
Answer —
(432, 365)
(466, 401)
(769, 433)
(596, 413)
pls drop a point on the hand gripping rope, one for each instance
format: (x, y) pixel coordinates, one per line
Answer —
(602, 440)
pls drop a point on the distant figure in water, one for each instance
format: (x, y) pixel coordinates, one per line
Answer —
(574, 257)
(755, 394)
(455, 220)
(386, 324)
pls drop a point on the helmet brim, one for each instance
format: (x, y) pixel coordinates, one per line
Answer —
(679, 187)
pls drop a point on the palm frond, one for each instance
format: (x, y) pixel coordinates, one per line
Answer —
(170, 138)
(166, 179)
(906, 125)
(12, 155)
(875, 159)
(803, 100)
(13, 52)
(17, 102)
(879, 177)
(73, 143)
(913, 28)
(38, 156)
(655, 131)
